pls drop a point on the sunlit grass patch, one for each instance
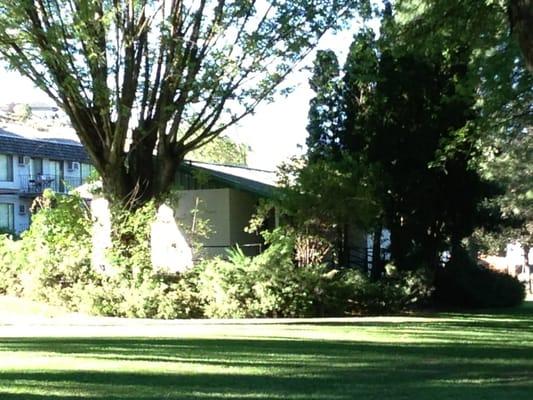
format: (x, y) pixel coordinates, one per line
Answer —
(443, 356)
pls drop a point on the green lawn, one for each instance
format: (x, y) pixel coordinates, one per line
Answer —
(446, 356)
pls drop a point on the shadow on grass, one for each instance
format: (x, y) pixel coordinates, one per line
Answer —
(273, 369)
(488, 357)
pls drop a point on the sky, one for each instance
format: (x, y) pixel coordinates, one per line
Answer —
(275, 132)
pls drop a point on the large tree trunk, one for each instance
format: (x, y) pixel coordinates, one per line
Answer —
(521, 20)
(130, 181)
(400, 246)
(137, 177)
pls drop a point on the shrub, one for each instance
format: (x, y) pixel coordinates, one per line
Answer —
(52, 263)
(11, 265)
(156, 296)
(271, 285)
(464, 283)
(268, 285)
(52, 255)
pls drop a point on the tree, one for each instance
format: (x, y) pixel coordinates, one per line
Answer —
(325, 116)
(521, 19)
(327, 201)
(145, 82)
(407, 115)
(336, 186)
(221, 150)
(500, 34)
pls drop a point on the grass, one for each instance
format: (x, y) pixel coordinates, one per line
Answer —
(11, 306)
(445, 356)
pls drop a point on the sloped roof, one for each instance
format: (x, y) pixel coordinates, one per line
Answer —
(258, 181)
(67, 150)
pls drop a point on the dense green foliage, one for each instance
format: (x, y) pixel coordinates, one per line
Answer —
(51, 262)
(504, 97)
(274, 284)
(221, 150)
(325, 200)
(405, 119)
(409, 136)
(464, 283)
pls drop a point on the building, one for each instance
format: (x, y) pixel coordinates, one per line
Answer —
(28, 165)
(223, 197)
(226, 197)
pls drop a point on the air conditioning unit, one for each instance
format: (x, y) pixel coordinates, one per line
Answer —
(73, 166)
(23, 160)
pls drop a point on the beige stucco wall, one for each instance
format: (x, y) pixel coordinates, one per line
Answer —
(214, 206)
(228, 212)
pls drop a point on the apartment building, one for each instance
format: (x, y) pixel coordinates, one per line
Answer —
(28, 166)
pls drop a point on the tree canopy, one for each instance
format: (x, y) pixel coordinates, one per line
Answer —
(501, 69)
(144, 82)
(221, 150)
(417, 110)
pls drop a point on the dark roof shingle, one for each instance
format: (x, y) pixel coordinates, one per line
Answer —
(42, 148)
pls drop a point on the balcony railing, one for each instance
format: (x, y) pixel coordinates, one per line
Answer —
(35, 184)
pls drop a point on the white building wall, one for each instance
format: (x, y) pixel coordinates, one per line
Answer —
(21, 218)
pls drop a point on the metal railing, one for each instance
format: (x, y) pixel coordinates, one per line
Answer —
(36, 184)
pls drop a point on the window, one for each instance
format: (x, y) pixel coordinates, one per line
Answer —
(6, 168)
(36, 167)
(7, 218)
(85, 171)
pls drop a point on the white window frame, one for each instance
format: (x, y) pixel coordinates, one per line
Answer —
(8, 166)
(10, 216)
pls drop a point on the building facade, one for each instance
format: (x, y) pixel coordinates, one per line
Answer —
(226, 197)
(28, 166)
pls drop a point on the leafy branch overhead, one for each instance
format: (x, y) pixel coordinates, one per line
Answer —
(159, 77)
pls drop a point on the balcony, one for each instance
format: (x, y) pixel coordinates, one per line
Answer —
(34, 185)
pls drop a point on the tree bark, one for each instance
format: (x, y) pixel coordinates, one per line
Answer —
(521, 20)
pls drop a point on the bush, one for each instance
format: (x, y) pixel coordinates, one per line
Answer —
(11, 265)
(464, 283)
(52, 263)
(58, 248)
(52, 256)
(156, 296)
(271, 285)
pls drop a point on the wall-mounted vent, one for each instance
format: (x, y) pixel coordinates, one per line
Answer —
(23, 160)
(73, 166)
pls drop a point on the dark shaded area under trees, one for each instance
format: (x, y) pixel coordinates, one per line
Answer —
(411, 115)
